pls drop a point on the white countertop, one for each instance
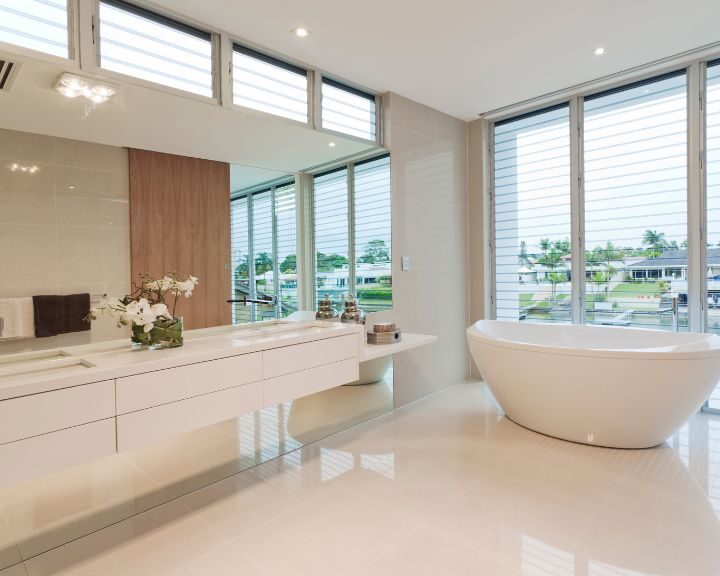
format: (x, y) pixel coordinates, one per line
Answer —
(22, 374)
(408, 341)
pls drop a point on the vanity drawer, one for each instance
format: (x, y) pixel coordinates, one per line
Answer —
(305, 382)
(146, 426)
(288, 359)
(37, 414)
(165, 386)
(49, 453)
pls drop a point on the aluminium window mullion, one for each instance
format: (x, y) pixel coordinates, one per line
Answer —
(577, 212)
(492, 315)
(350, 175)
(251, 257)
(276, 264)
(696, 214)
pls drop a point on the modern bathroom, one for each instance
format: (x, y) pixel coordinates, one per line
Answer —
(287, 289)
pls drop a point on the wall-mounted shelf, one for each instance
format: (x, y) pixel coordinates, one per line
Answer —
(408, 342)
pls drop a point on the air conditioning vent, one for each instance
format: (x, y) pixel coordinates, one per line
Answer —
(8, 72)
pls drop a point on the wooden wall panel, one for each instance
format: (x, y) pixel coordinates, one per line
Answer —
(180, 222)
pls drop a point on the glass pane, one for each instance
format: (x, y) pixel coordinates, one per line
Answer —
(141, 47)
(239, 257)
(269, 88)
(373, 269)
(712, 171)
(262, 247)
(636, 204)
(347, 112)
(532, 217)
(40, 25)
(286, 218)
(331, 235)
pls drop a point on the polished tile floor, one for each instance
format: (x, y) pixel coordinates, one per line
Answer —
(446, 485)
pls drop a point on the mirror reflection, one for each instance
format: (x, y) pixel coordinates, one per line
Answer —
(82, 221)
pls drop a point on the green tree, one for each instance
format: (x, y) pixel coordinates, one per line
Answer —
(605, 255)
(655, 241)
(329, 262)
(556, 278)
(375, 251)
(524, 260)
(289, 264)
(242, 270)
(263, 263)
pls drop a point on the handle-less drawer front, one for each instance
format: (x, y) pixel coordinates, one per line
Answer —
(29, 416)
(146, 426)
(279, 361)
(49, 453)
(165, 386)
(298, 384)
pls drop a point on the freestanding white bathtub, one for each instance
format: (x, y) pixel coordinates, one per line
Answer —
(599, 385)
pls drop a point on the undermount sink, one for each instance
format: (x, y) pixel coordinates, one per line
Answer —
(56, 366)
(25, 358)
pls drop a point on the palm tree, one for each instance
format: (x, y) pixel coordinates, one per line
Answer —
(556, 278)
(655, 240)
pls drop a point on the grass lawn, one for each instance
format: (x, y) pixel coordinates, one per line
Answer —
(630, 290)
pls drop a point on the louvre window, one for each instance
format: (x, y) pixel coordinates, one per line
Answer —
(635, 166)
(372, 218)
(712, 172)
(269, 85)
(263, 251)
(40, 25)
(359, 194)
(532, 216)
(332, 245)
(347, 110)
(145, 45)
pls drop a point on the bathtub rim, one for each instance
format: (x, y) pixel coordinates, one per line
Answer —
(474, 333)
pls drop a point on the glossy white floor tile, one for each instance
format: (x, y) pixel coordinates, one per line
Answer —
(446, 485)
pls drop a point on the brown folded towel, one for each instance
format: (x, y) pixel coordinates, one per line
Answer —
(60, 314)
(75, 308)
(48, 316)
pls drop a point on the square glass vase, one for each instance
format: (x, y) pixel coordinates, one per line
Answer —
(166, 333)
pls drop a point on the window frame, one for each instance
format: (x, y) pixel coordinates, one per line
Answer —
(249, 194)
(695, 69)
(350, 167)
(84, 57)
(357, 92)
(165, 18)
(264, 56)
(73, 58)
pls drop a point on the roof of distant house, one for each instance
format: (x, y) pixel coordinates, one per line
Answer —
(676, 258)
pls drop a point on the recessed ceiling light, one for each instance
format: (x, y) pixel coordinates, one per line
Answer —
(332, 144)
(599, 51)
(301, 32)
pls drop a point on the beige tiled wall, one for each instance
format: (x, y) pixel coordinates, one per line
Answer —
(430, 225)
(65, 228)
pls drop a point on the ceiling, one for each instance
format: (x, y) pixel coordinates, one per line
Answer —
(465, 57)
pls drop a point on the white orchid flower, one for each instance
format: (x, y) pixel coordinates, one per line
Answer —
(160, 310)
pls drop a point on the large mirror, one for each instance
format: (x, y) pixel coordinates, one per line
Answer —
(78, 217)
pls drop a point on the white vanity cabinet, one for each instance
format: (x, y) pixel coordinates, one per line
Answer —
(163, 403)
(54, 424)
(42, 433)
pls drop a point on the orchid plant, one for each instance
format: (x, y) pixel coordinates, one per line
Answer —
(146, 309)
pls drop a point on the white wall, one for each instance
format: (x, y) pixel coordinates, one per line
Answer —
(430, 225)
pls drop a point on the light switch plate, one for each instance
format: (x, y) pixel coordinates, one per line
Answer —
(405, 263)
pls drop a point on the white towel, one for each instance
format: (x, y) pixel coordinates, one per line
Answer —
(17, 318)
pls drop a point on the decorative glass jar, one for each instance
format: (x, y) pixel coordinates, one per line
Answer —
(166, 333)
